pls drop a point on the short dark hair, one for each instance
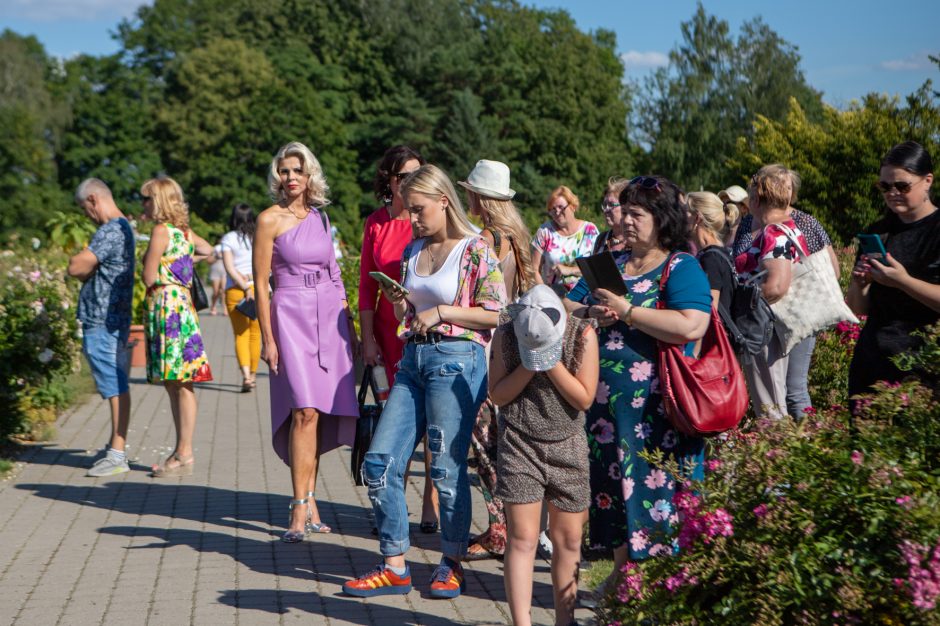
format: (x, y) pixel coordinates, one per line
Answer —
(242, 221)
(669, 214)
(911, 157)
(392, 160)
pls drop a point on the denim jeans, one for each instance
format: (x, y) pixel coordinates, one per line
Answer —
(438, 389)
(798, 399)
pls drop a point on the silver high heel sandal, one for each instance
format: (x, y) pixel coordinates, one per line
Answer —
(310, 526)
(295, 536)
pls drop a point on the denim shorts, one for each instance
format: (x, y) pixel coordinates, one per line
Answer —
(109, 358)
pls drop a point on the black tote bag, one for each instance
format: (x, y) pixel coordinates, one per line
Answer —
(365, 426)
(198, 291)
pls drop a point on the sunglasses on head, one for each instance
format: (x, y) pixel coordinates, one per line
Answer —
(902, 186)
(647, 182)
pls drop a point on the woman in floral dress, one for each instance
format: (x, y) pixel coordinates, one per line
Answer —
(561, 240)
(175, 352)
(634, 514)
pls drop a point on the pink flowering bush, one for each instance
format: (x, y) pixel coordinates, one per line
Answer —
(827, 521)
(38, 341)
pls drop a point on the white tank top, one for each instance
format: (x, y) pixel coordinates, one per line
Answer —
(426, 292)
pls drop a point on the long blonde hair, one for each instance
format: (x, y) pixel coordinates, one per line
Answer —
(719, 218)
(430, 180)
(316, 192)
(503, 217)
(169, 206)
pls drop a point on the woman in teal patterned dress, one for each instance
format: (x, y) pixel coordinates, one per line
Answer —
(176, 356)
(635, 514)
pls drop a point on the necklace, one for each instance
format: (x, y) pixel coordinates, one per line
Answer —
(647, 266)
(291, 211)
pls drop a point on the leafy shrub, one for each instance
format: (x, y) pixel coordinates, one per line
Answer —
(38, 342)
(806, 523)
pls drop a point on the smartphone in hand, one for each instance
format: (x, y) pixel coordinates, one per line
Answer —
(872, 247)
(388, 281)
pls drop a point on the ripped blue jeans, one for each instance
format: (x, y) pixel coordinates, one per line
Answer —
(438, 389)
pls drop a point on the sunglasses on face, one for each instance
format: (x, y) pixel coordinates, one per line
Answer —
(145, 198)
(400, 176)
(902, 186)
(608, 207)
(647, 182)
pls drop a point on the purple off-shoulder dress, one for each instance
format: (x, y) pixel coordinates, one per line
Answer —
(315, 366)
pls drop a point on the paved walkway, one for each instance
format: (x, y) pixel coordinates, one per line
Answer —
(204, 549)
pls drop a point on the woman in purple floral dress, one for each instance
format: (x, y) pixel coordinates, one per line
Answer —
(176, 356)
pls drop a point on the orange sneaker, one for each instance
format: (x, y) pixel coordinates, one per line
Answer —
(447, 581)
(379, 582)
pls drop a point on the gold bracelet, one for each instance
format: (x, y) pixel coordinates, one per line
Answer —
(628, 317)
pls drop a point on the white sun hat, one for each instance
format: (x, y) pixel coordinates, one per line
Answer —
(490, 179)
(539, 320)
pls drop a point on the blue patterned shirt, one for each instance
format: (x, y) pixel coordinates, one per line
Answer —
(106, 297)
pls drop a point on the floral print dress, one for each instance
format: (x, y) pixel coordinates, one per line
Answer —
(174, 344)
(631, 499)
(558, 249)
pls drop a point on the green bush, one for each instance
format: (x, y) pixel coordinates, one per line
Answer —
(39, 344)
(828, 520)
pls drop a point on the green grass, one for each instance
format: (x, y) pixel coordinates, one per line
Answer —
(594, 576)
(5, 466)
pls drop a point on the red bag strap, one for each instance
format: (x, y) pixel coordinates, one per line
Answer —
(663, 278)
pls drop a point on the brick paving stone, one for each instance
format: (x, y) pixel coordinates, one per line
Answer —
(205, 549)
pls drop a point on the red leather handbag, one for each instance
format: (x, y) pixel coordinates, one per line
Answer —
(702, 396)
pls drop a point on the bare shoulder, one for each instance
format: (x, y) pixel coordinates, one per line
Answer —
(270, 221)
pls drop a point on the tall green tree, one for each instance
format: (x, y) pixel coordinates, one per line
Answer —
(31, 123)
(690, 113)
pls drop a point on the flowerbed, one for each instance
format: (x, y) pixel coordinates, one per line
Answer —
(39, 343)
(827, 521)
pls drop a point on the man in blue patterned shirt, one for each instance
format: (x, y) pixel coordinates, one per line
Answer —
(106, 267)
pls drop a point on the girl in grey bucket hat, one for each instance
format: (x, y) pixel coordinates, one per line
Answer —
(543, 376)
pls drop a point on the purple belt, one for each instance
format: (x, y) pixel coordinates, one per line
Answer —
(302, 281)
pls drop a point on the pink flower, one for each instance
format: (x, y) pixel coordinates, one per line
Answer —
(642, 430)
(638, 540)
(904, 502)
(642, 287)
(631, 585)
(655, 479)
(603, 501)
(35, 276)
(857, 457)
(712, 464)
(678, 580)
(628, 485)
(923, 583)
(603, 431)
(659, 548)
(761, 510)
(613, 470)
(603, 393)
(660, 511)
(614, 340)
(641, 370)
(638, 402)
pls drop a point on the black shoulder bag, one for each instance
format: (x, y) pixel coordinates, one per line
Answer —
(365, 426)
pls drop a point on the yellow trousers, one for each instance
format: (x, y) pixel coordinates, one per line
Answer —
(247, 331)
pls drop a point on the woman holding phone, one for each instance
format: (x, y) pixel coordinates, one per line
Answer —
(899, 291)
(456, 291)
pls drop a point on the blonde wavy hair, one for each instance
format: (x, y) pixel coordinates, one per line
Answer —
(430, 180)
(502, 216)
(317, 189)
(776, 186)
(169, 205)
(718, 217)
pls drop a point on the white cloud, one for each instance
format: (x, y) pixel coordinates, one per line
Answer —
(635, 60)
(917, 61)
(61, 10)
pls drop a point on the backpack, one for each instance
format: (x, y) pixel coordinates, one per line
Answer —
(750, 322)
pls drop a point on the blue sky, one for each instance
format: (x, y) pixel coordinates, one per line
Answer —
(848, 48)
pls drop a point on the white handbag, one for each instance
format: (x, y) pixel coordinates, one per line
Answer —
(814, 300)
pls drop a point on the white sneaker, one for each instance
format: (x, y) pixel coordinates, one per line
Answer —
(108, 466)
(545, 545)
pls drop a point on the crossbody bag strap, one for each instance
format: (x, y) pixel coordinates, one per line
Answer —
(793, 238)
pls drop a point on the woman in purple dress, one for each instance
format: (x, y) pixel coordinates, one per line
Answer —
(306, 329)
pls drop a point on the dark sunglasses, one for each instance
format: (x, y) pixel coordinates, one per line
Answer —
(145, 198)
(902, 186)
(647, 182)
(400, 176)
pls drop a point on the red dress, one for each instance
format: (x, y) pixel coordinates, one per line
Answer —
(383, 242)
